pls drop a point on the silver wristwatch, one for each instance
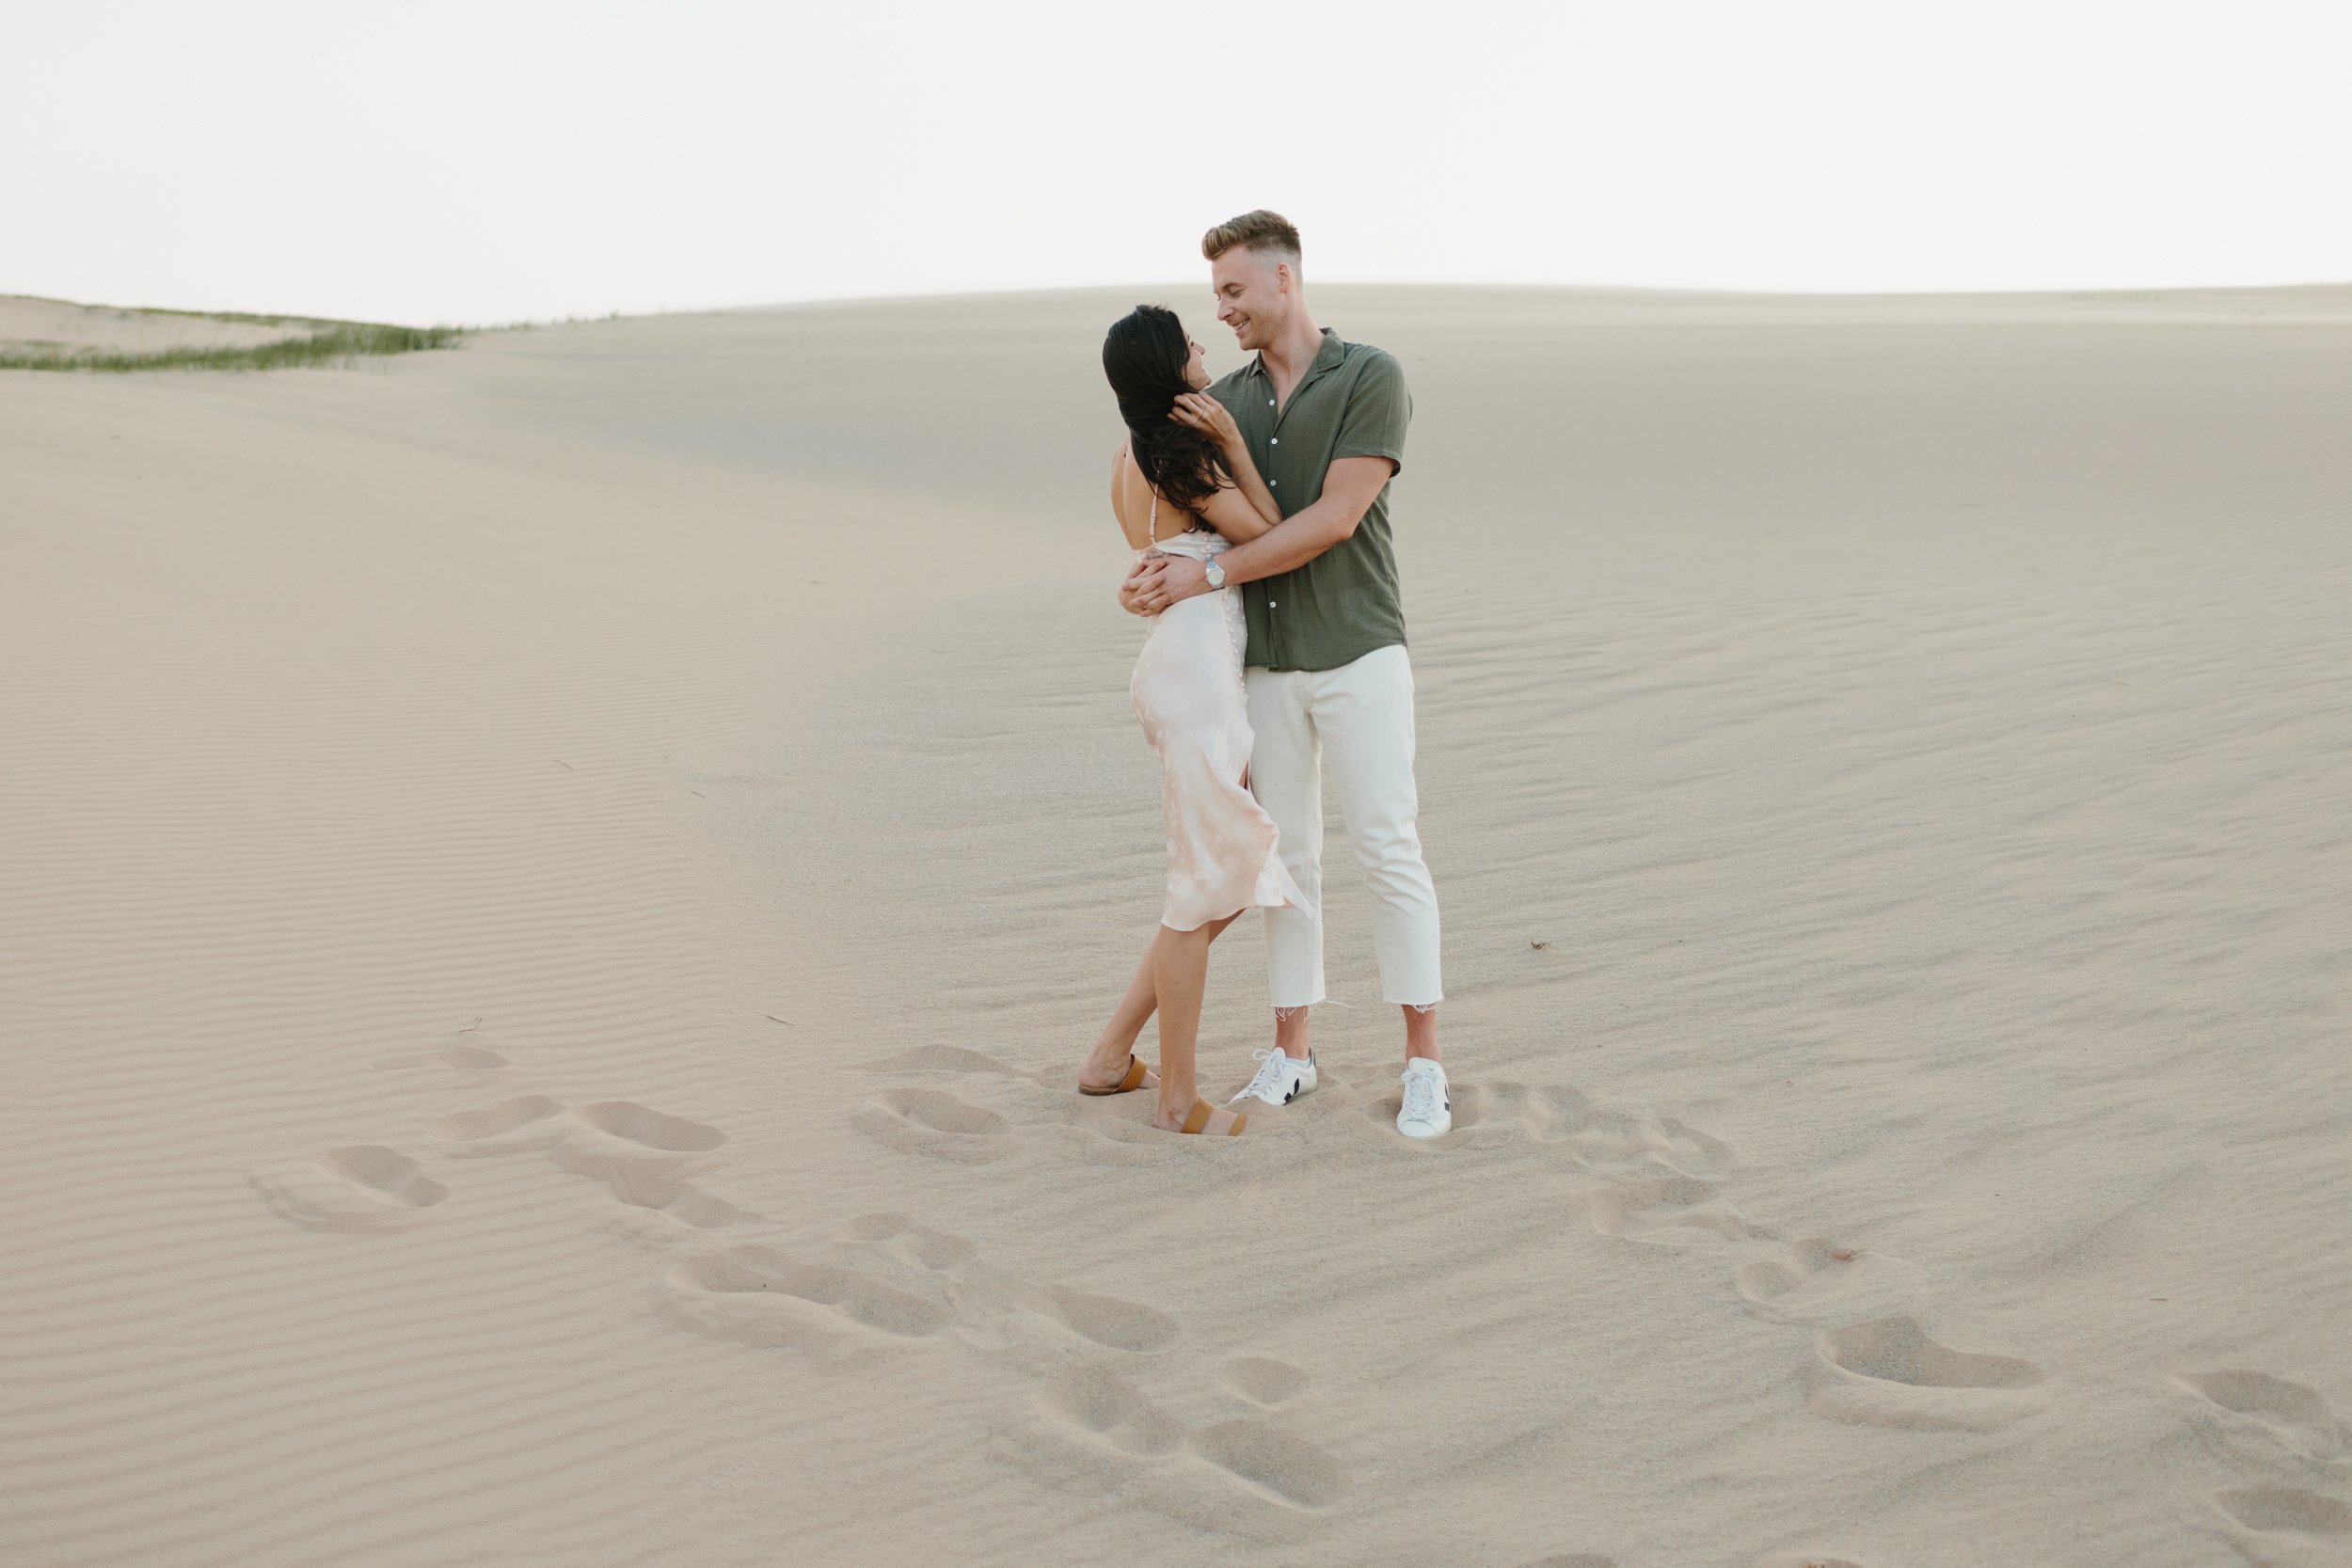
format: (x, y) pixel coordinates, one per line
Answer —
(1216, 575)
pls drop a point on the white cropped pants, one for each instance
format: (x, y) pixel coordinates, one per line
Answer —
(1360, 717)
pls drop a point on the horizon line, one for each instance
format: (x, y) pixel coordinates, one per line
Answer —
(950, 295)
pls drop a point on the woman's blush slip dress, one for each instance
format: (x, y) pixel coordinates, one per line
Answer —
(1187, 686)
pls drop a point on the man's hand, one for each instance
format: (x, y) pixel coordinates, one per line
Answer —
(1160, 580)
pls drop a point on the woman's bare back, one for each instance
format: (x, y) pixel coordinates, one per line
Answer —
(1143, 517)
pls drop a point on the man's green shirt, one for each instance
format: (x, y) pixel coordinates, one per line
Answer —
(1345, 603)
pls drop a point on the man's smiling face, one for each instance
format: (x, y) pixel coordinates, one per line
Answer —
(1253, 295)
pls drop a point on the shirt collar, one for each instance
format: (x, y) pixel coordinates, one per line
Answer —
(1331, 354)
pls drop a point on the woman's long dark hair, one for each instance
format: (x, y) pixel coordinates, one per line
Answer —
(1144, 356)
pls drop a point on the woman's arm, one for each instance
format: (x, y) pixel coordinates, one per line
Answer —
(1350, 485)
(1248, 510)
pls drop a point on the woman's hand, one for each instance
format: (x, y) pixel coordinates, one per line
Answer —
(1207, 416)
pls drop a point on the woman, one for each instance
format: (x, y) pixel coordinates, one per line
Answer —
(1183, 483)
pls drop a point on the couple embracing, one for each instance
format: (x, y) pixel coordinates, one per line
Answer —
(1258, 508)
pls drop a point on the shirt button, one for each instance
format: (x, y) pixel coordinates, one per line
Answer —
(1269, 402)
(1277, 440)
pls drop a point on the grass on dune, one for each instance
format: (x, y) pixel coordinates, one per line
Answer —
(328, 342)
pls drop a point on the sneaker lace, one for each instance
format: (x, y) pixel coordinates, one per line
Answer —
(1270, 1074)
(1420, 1097)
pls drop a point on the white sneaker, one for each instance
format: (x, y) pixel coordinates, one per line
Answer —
(1428, 1110)
(1280, 1078)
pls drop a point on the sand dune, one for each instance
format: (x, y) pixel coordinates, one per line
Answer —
(56, 327)
(549, 892)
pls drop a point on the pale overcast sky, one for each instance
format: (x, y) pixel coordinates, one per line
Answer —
(491, 160)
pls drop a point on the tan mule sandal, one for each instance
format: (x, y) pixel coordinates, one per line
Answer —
(1198, 1118)
(1136, 1073)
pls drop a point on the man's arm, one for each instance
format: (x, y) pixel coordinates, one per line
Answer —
(1350, 485)
(1369, 449)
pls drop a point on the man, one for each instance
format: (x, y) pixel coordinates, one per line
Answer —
(1328, 675)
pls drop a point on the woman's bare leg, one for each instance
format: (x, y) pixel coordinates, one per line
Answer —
(1179, 972)
(1107, 1064)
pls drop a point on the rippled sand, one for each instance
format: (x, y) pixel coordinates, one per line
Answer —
(550, 894)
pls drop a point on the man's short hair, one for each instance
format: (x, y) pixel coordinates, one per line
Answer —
(1264, 232)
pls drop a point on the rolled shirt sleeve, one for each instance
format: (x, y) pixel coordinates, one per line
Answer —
(1378, 408)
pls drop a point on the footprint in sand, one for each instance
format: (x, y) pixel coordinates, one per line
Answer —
(652, 1185)
(1673, 1210)
(648, 1178)
(637, 1124)
(2287, 1525)
(1109, 1409)
(918, 1245)
(1116, 1131)
(1107, 1321)
(938, 1058)
(932, 1122)
(984, 1296)
(493, 1122)
(1262, 1380)
(1102, 1408)
(2299, 1419)
(387, 1173)
(1625, 1143)
(1273, 1463)
(1614, 1143)
(358, 1187)
(1888, 1372)
(1820, 1278)
(763, 1295)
